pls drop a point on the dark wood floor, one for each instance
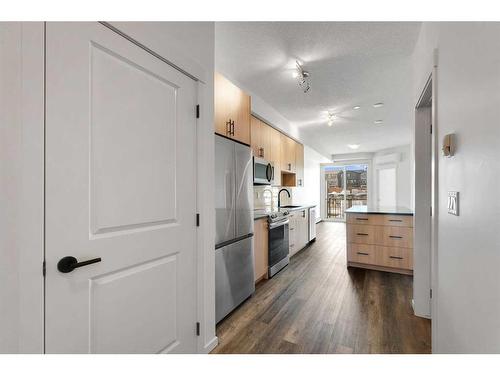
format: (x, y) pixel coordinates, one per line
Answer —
(318, 305)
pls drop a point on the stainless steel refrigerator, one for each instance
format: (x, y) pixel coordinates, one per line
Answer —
(234, 263)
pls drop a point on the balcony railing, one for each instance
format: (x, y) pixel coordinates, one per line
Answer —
(336, 205)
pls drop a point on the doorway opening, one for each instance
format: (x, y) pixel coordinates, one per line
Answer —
(344, 186)
(387, 186)
(425, 174)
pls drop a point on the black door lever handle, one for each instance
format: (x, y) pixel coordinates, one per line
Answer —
(68, 264)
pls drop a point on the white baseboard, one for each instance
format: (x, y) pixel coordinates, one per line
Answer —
(212, 344)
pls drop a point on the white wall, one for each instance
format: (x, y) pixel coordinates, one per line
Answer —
(468, 92)
(310, 192)
(404, 173)
(10, 179)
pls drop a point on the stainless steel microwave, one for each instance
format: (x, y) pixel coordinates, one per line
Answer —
(263, 172)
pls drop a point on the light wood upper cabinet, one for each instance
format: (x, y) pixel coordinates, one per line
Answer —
(232, 110)
(266, 144)
(299, 164)
(274, 137)
(287, 154)
(258, 139)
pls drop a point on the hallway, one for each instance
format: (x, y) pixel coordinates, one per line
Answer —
(317, 305)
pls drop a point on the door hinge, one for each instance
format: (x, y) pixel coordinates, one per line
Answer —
(430, 293)
(197, 111)
(197, 328)
(44, 269)
(197, 220)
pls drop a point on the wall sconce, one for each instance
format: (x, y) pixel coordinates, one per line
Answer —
(449, 145)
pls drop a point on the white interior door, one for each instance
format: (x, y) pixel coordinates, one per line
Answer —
(386, 187)
(120, 186)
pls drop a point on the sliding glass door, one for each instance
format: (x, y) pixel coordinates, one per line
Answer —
(345, 186)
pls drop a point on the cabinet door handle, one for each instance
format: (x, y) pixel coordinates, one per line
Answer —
(228, 127)
(289, 166)
(362, 234)
(360, 253)
(362, 218)
(394, 257)
(232, 127)
(395, 220)
(398, 237)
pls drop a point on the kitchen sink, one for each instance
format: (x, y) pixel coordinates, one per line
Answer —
(290, 206)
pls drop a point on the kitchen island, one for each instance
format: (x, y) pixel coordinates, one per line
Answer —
(380, 238)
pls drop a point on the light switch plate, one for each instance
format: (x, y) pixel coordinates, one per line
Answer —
(453, 203)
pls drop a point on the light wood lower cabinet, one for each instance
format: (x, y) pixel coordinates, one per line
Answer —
(381, 242)
(261, 249)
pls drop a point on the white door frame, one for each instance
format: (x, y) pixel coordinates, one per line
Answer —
(31, 222)
(434, 203)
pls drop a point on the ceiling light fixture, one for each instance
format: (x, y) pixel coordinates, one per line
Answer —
(356, 107)
(331, 116)
(378, 122)
(303, 77)
(378, 105)
(353, 147)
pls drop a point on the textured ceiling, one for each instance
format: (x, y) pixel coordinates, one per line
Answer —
(351, 63)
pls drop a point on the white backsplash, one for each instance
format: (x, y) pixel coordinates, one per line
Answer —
(267, 197)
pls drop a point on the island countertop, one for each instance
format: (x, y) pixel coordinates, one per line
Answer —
(379, 210)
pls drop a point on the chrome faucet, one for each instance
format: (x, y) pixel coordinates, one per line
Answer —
(279, 196)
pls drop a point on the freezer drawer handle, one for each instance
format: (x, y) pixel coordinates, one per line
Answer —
(68, 264)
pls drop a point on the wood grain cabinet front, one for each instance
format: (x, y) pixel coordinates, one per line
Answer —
(261, 249)
(380, 241)
(232, 110)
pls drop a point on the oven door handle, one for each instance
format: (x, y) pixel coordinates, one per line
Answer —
(278, 224)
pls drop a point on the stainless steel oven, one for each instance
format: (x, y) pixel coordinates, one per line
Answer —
(278, 245)
(263, 172)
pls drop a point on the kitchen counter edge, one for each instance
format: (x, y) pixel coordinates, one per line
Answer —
(258, 216)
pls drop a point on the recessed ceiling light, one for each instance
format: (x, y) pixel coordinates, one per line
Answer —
(377, 105)
(353, 147)
(356, 107)
(378, 122)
